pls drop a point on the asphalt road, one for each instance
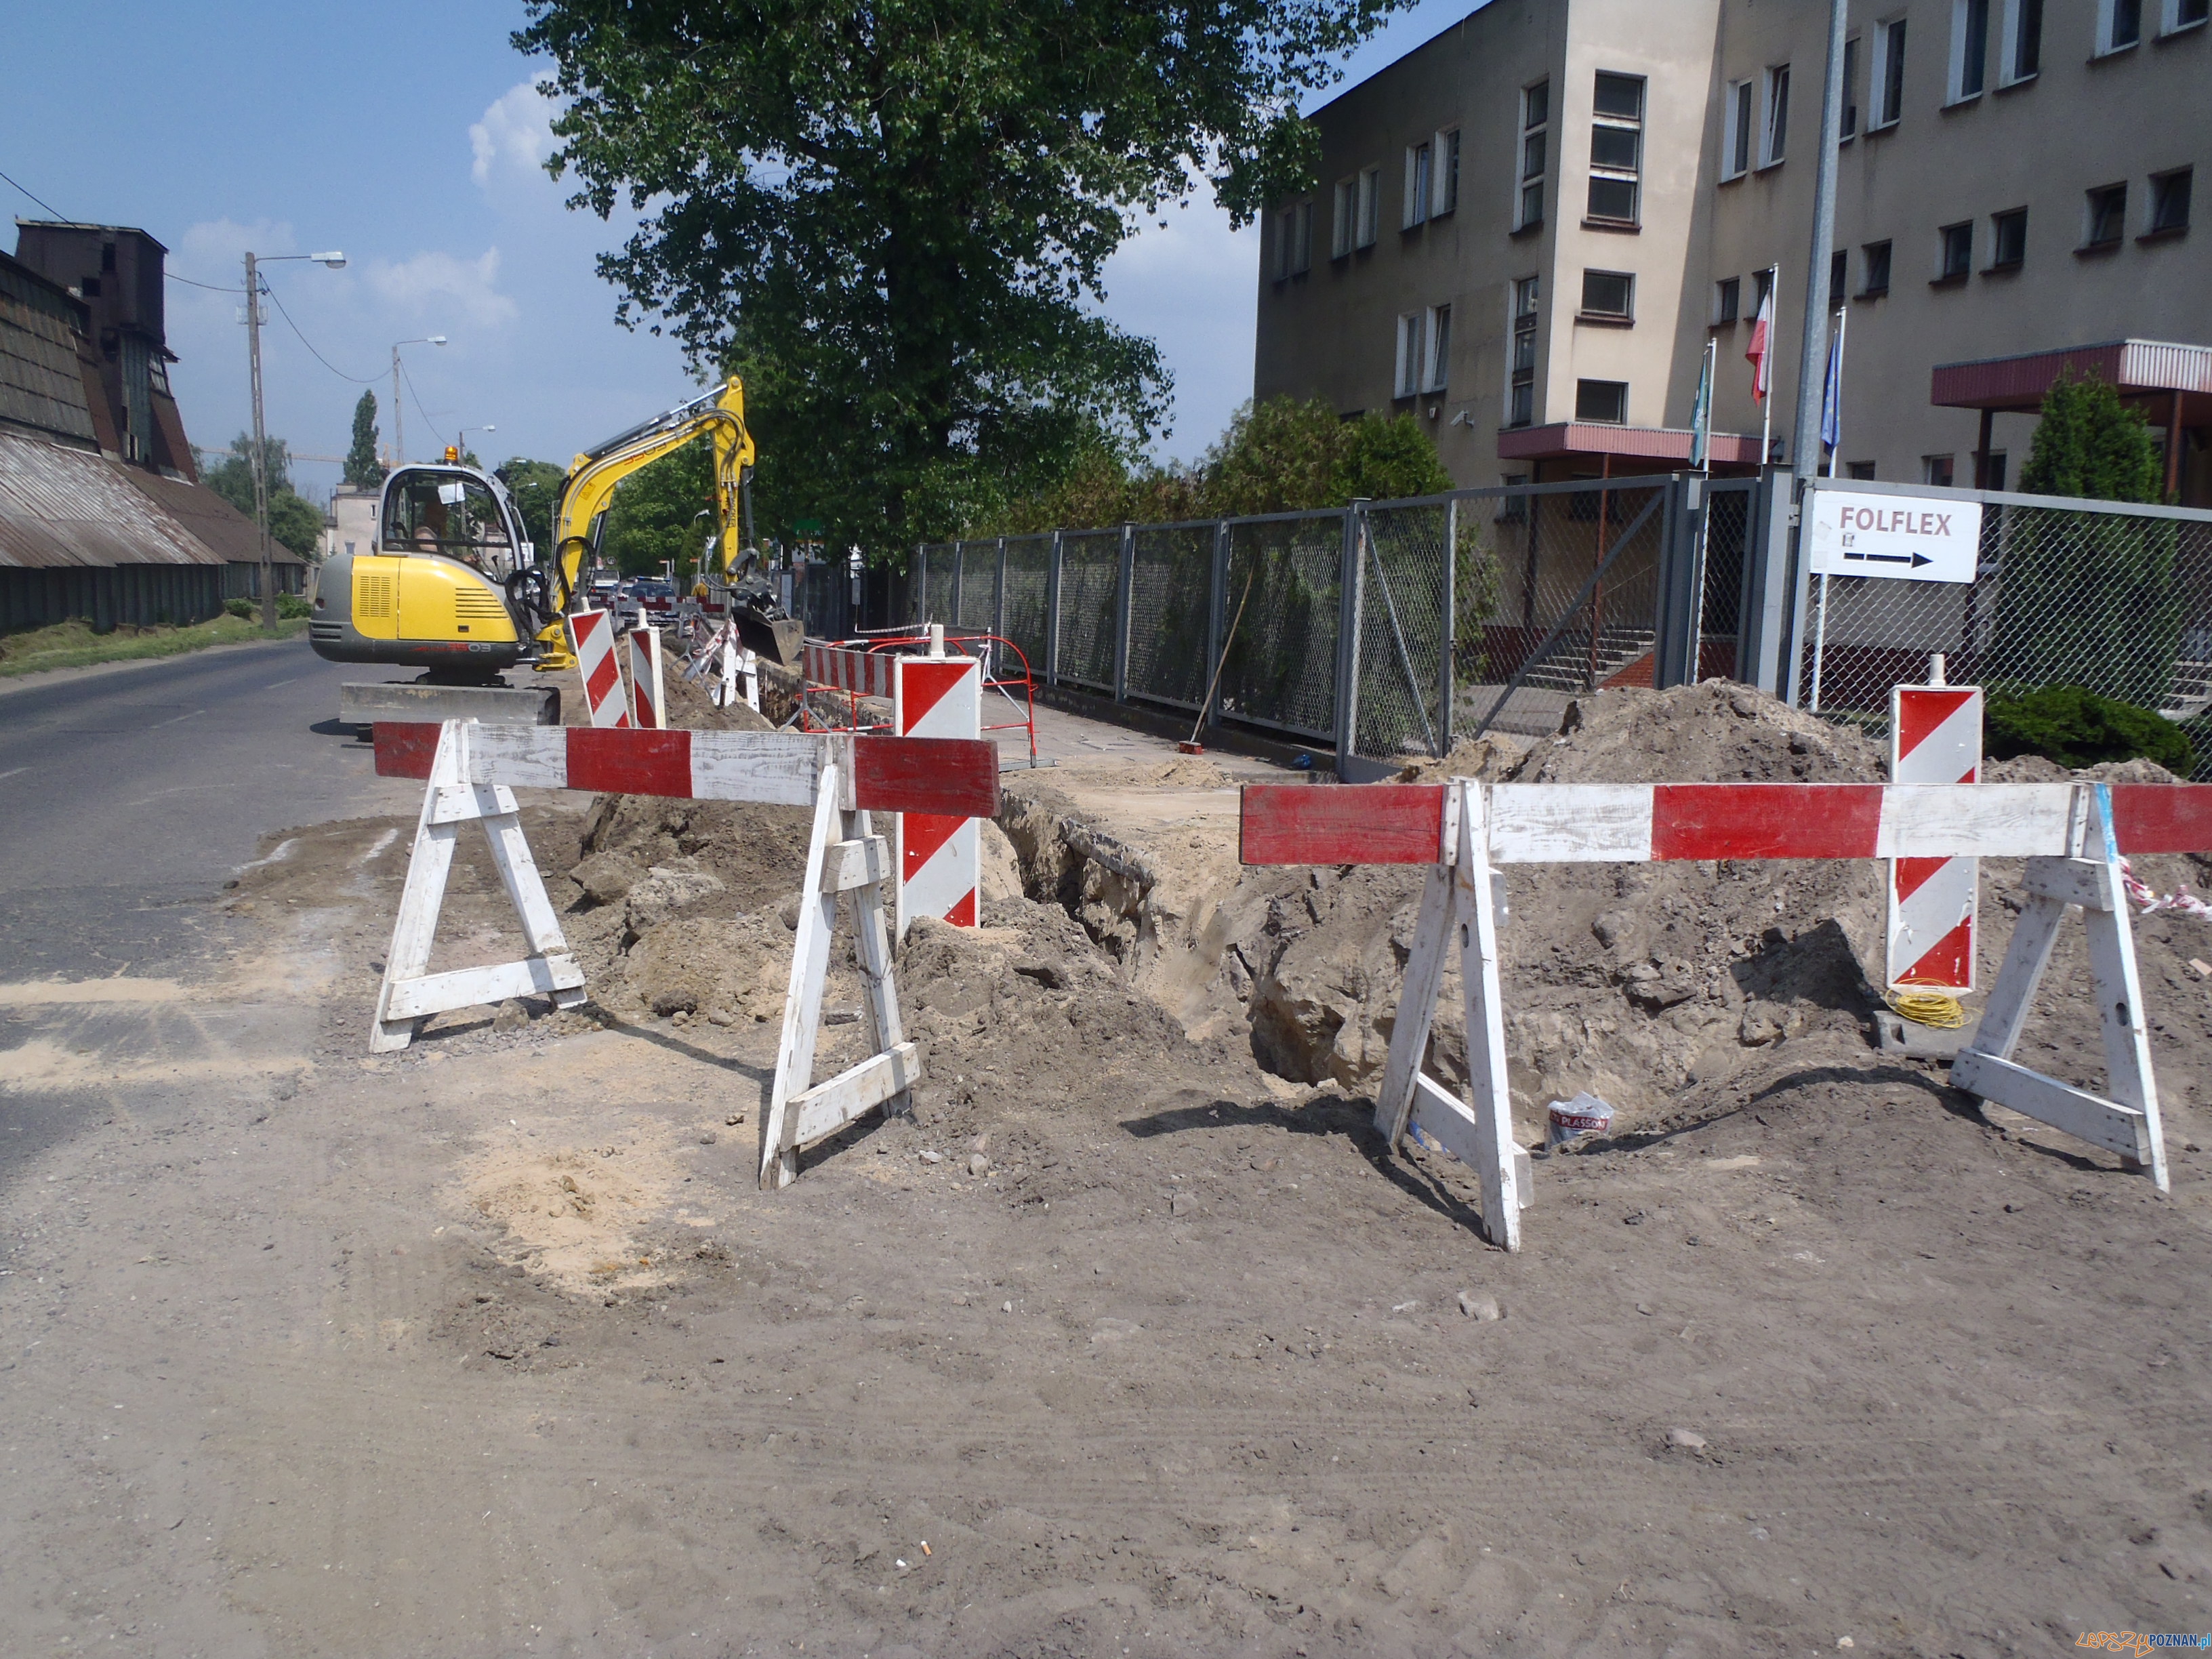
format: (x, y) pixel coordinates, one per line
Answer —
(128, 796)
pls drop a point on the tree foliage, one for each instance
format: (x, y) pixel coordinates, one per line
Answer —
(893, 218)
(535, 488)
(294, 522)
(1280, 456)
(2090, 599)
(655, 518)
(362, 469)
(2076, 727)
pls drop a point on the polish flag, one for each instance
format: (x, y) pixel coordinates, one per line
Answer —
(1762, 335)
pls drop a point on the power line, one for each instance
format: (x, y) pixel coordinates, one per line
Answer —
(41, 201)
(210, 287)
(305, 341)
(417, 397)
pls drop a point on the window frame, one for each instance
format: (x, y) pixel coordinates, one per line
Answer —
(1773, 118)
(1582, 388)
(1541, 132)
(2022, 27)
(1625, 316)
(1840, 278)
(1885, 75)
(2159, 196)
(1405, 380)
(1728, 302)
(1443, 179)
(1344, 216)
(2109, 15)
(1948, 271)
(1847, 128)
(1967, 73)
(1371, 207)
(1420, 164)
(1949, 466)
(1632, 176)
(1524, 307)
(2014, 222)
(1435, 349)
(1736, 125)
(2094, 201)
(2170, 23)
(1868, 263)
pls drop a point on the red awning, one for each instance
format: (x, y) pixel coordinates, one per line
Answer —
(2136, 368)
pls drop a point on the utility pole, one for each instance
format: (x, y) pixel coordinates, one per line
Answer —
(260, 443)
(1813, 360)
(398, 420)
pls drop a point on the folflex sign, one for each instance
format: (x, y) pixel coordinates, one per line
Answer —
(1918, 538)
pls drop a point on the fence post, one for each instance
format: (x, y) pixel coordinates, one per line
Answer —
(1217, 620)
(921, 583)
(1123, 577)
(1768, 622)
(1351, 567)
(959, 575)
(998, 594)
(1052, 614)
(1451, 642)
(1677, 607)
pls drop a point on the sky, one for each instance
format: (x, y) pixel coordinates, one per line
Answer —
(408, 135)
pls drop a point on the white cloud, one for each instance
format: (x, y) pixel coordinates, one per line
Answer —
(514, 137)
(435, 287)
(214, 250)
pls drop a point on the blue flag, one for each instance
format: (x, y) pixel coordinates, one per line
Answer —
(1701, 416)
(1832, 400)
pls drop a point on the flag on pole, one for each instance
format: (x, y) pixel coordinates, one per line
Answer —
(1760, 349)
(1831, 396)
(1701, 414)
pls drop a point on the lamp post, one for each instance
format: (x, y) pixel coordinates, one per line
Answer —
(336, 261)
(398, 424)
(461, 439)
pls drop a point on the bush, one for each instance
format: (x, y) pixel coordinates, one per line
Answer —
(244, 609)
(2076, 727)
(292, 606)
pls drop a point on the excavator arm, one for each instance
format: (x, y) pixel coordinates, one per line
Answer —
(590, 487)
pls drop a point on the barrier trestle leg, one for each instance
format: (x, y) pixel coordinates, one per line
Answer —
(1460, 903)
(845, 856)
(2125, 1121)
(409, 994)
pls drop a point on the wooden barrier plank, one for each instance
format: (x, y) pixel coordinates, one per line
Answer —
(2163, 817)
(1341, 824)
(404, 749)
(1765, 821)
(630, 762)
(957, 777)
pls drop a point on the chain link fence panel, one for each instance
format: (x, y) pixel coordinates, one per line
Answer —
(935, 589)
(1089, 584)
(978, 598)
(1400, 704)
(1170, 591)
(1029, 588)
(1279, 667)
(2117, 602)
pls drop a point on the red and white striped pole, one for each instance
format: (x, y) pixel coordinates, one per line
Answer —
(939, 858)
(1935, 737)
(648, 706)
(592, 637)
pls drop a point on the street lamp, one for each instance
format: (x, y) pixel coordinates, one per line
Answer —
(461, 439)
(336, 261)
(398, 425)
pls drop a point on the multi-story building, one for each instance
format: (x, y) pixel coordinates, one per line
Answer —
(1527, 231)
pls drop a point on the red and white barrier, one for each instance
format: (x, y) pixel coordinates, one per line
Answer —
(592, 637)
(2072, 835)
(648, 703)
(864, 673)
(940, 854)
(1935, 737)
(472, 771)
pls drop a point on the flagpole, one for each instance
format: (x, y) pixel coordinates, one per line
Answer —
(1766, 372)
(1843, 319)
(1705, 511)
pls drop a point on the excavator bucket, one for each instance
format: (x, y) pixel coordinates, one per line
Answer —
(781, 641)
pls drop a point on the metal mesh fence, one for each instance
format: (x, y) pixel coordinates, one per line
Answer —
(935, 589)
(1401, 702)
(1171, 588)
(822, 598)
(2117, 602)
(977, 602)
(1089, 584)
(1726, 530)
(1279, 667)
(1554, 595)
(1029, 585)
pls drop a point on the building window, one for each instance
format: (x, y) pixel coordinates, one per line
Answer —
(1447, 173)
(1736, 130)
(1860, 469)
(2106, 219)
(2023, 41)
(1521, 396)
(1839, 276)
(1344, 220)
(1370, 207)
(1887, 81)
(1609, 295)
(1954, 252)
(1970, 48)
(2120, 24)
(1294, 240)
(1605, 401)
(2009, 240)
(1993, 469)
(1762, 284)
(1436, 374)
(1774, 119)
(1728, 300)
(1536, 134)
(1616, 147)
(1420, 161)
(2186, 14)
(1850, 124)
(1406, 378)
(2169, 203)
(1936, 469)
(1876, 261)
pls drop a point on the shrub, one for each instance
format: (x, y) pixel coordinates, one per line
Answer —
(2076, 727)
(291, 606)
(244, 609)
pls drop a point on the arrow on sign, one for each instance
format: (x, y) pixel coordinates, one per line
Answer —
(1916, 560)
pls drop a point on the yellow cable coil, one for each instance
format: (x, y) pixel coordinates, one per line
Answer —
(1935, 1008)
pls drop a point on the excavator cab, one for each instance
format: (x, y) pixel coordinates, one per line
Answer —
(454, 511)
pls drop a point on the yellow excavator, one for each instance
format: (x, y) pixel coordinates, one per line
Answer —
(454, 588)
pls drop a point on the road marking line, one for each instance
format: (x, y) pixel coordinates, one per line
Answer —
(273, 684)
(12, 770)
(158, 724)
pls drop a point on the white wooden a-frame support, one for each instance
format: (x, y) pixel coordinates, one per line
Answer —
(1459, 903)
(410, 994)
(844, 856)
(2127, 1121)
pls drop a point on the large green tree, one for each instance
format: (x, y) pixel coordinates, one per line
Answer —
(294, 521)
(663, 513)
(892, 217)
(535, 488)
(362, 469)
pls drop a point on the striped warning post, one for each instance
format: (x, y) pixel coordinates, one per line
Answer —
(939, 855)
(866, 673)
(1935, 737)
(648, 706)
(592, 637)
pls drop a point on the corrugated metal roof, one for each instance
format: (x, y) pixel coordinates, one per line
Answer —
(41, 384)
(63, 507)
(2133, 366)
(218, 525)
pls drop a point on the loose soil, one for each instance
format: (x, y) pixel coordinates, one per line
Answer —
(1131, 1337)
